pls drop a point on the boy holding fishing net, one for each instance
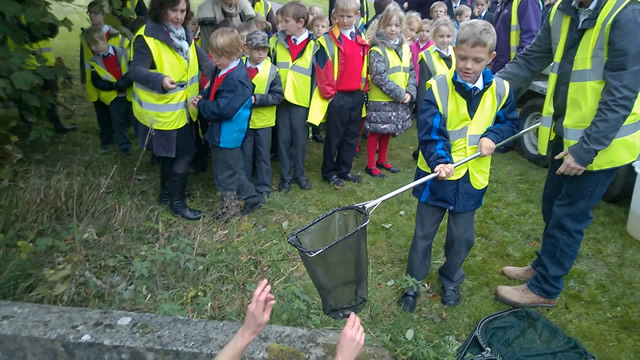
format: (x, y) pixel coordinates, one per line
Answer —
(463, 112)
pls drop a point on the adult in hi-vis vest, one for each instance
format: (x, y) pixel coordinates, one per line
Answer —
(165, 74)
(590, 127)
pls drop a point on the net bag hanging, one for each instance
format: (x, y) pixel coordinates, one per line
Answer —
(333, 249)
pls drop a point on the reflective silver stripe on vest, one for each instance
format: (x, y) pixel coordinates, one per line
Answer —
(515, 27)
(474, 140)
(556, 31)
(45, 49)
(179, 87)
(458, 134)
(555, 67)
(283, 65)
(270, 78)
(596, 72)
(443, 91)
(159, 107)
(625, 130)
(546, 121)
(394, 70)
(301, 70)
(501, 93)
(330, 46)
(514, 48)
(430, 64)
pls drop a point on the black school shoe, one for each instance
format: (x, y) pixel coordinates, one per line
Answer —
(336, 182)
(388, 167)
(351, 177)
(377, 174)
(451, 295)
(285, 186)
(303, 183)
(408, 301)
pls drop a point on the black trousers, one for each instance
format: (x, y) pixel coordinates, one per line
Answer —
(119, 110)
(458, 243)
(255, 150)
(343, 129)
(103, 115)
(293, 136)
(229, 176)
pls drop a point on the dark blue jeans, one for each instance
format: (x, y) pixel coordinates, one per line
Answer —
(567, 210)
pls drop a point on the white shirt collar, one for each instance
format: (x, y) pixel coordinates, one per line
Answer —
(347, 33)
(301, 38)
(420, 44)
(106, 28)
(228, 68)
(455, 5)
(479, 84)
(443, 52)
(584, 13)
(259, 66)
(111, 51)
(484, 13)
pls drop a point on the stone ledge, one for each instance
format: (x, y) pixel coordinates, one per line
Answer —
(33, 331)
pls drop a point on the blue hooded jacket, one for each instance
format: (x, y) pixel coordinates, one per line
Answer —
(230, 111)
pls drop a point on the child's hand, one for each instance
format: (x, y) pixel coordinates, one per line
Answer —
(168, 84)
(253, 99)
(351, 339)
(445, 170)
(194, 101)
(486, 146)
(406, 99)
(259, 310)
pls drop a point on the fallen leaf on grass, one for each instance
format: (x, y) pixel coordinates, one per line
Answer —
(387, 226)
(401, 213)
(409, 334)
(379, 285)
(391, 282)
(285, 225)
(434, 297)
(533, 243)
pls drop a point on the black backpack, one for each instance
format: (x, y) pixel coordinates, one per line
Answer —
(520, 334)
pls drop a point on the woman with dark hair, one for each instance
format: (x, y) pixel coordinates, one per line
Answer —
(164, 69)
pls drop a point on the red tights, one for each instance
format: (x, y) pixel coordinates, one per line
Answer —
(380, 142)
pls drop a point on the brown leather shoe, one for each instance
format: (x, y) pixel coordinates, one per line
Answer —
(521, 296)
(519, 273)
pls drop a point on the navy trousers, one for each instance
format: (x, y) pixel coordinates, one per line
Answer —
(567, 210)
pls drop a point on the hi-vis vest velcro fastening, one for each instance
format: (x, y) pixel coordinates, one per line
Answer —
(119, 41)
(263, 116)
(296, 74)
(168, 110)
(262, 7)
(100, 68)
(464, 132)
(585, 89)
(398, 70)
(319, 105)
(434, 61)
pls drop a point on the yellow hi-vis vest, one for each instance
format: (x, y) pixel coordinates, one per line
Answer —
(262, 7)
(398, 70)
(97, 63)
(464, 132)
(434, 62)
(585, 89)
(167, 110)
(41, 48)
(263, 116)
(319, 105)
(296, 74)
(115, 41)
(514, 34)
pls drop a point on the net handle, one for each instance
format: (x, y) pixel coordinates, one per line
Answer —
(373, 204)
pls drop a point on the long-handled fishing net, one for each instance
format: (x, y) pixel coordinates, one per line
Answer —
(333, 248)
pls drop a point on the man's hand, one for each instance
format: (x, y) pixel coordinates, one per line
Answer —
(445, 170)
(406, 99)
(569, 166)
(253, 99)
(168, 84)
(486, 146)
(351, 339)
(259, 310)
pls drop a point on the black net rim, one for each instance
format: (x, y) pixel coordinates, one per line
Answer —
(294, 241)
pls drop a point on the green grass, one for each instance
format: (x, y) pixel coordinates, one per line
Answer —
(78, 229)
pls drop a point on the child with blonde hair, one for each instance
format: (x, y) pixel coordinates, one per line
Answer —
(413, 21)
(438, 9)
(393, 89)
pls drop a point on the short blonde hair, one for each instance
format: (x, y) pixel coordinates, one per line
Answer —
(348, 5)
(392, 11)
(226, 42)
(438, 4)
(426, 22)
(461, 10)
(413, 17)
(442, 22)
(94, 35)
(477, 33)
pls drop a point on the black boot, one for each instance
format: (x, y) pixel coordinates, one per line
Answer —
(177, 201)
(164, 186)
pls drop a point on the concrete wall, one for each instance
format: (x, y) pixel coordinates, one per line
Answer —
(32, 331)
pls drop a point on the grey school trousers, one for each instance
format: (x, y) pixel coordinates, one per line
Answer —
(458, 243)
(256, 150)
(293, 136)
